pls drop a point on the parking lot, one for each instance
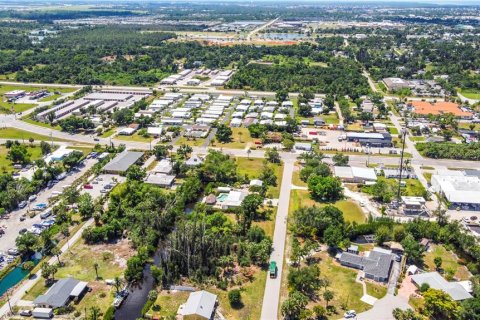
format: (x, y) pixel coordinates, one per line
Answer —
(102, 184)
(11, 224)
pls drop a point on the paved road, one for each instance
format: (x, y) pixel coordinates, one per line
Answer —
(382, 309)
(271, 296)
(266, 25)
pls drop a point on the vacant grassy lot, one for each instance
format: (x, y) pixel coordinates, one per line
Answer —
(449, 262)
(20, 135)
(253, 167)
(6, 165)
(296, 179)
(351, 210)
(240, 139)
(134, 137)
(107, 133)
(79, 263)
(198, 142)
(41, 124)
(470, 94)
(252, 298)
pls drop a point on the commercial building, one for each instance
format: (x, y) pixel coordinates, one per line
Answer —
(105, 96)
(15, 94)
(200, 305)
(425, 108)
(413, 205)
(454, 289)
(376, 264)
(393, 84)
(355, 174)
(460, 190)
(372, 139)
(58, 154)
(122, 162)
(61, 293)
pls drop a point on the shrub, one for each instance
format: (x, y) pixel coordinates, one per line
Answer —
(235, 297)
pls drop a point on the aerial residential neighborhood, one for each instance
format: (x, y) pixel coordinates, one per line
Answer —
(304, 160)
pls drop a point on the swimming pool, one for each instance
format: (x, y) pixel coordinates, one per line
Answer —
(222, 197)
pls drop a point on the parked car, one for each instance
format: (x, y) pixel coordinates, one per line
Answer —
(88, 186)
(23, 218)
(22, 204)
(45, 214)
(13, 252)
(350, 314)
(26, 313)
(33, 197)
(22, 231)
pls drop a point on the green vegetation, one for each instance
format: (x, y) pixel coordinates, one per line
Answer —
(447, 150)
(450, 263)
(341, 77)
(470, 94)
(193, 142)
(21, 135)
(376, 290)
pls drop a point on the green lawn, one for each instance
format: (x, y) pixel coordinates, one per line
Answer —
(18, 134)
(240, 139)
(252, 298)
(169, 303)
(41, 124)
(392, 130)
(252, 168)
(7, 107)
(296, 179)
(428, 176)
(416, 138)
(376, 290)
(134, 137)
(342, 283)
(351, 210)
(6, 165)
(470, 93)
(197, 142)
(331, 118)
(107, 133)
(84, 149)
(449, 261)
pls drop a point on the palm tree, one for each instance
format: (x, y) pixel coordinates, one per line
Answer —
(117, 284)
(328, 296)
(94, 313)
(95, 266)
(56, 252)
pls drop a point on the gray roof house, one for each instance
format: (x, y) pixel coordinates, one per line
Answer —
(436, 281)
(200, 305)
(61, 293)
(376, 265)
(122, 161)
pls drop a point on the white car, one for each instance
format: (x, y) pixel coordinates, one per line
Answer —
(350, 314)
(32, 197)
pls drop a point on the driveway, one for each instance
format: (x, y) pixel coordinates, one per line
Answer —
(383, 308)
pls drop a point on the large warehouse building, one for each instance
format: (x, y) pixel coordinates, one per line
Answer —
(461, 189)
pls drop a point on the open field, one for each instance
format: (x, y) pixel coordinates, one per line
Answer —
(41, 124)
(18, 134)
(376, 290)
(169, 303)
(449, 262)
(111, 260)
(134, 137)
(240, 139)
(190, 142)
(6, 165)
(351, 210)
(470, 94)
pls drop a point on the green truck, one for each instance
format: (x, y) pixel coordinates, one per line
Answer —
(273, 269)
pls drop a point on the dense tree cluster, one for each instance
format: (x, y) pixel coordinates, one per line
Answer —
(341, 77)
(445, 150)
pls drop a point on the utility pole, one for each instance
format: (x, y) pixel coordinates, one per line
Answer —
(8, 300)
(404, 134)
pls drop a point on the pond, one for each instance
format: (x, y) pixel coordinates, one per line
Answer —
(283, 36)
(13, 278)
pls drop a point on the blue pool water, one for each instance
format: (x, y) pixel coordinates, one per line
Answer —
(12, 278)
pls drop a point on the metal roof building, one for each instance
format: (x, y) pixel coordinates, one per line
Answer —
(436, 281)
(355, 174)
(200, 304)
(60, 294)
(123, 161)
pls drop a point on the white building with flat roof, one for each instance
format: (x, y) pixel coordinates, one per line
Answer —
(460, 191)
